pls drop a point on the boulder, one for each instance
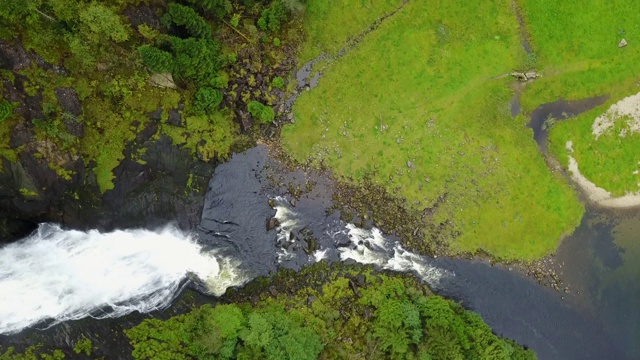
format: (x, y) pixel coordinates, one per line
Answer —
(69, 100)
(622, 43)
(272, 224)
(163, 80)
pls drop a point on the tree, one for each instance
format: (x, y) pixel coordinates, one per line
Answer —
(273, 16)
(189, 19)
(217, 8)
(196, 59)
(156, 60)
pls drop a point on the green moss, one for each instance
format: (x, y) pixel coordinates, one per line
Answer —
(31, 353)
(6, 151)
(106, 138)
(28, 193)
(61, 171)
(83, 345)
(207, 136)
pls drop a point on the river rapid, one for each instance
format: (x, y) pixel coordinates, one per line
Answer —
(55, 275)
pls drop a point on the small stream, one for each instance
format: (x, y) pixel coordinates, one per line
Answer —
(600, 260)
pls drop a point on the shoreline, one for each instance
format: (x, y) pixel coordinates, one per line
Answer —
(596, 194)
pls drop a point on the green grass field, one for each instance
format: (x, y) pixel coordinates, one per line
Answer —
(329, 24)
(576, 44)
(420, 102)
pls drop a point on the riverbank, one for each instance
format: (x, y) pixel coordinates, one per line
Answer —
(436, 130)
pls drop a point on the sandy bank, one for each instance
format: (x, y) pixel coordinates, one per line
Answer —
(597, 194)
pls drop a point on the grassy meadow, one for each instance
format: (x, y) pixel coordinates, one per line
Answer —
(422, 105)
(329, 24)
(576, 46)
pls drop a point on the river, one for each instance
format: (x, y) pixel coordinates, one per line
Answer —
(46, 281)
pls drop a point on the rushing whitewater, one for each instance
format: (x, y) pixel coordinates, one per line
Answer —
(57, 275)
(365, 246)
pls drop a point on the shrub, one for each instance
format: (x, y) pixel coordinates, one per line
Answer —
(263, 114)
(235, 20)
(102, 23)
(273, 16)
(156, 60)
(206, 99)
(218, 8)
(277, 82)
(6, 109)
(188, 18)
(276, 41)
(196, 59)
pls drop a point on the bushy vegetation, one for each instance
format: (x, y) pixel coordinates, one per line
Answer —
(328, 316)
(226, 332)
(98, 49)
(206, 100)
(277, 82)
(196, 60)
(262, 113)
(184, 16)
(273, 16)
(156, 60)
(217, 8)
(428, 116)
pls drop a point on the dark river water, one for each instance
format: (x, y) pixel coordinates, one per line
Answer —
(597, 319)
(556, 325)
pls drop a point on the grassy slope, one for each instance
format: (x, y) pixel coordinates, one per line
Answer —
(428, 75)
(348, 18)
(576, 46)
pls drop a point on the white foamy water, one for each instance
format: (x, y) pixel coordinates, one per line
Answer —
(63, 275)
(371, 247)
(367, 247)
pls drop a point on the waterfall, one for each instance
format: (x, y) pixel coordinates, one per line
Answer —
(56, 275)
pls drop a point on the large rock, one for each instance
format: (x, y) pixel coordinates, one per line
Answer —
(13, 56)
(163, 80)
(622, 43)
(69, 100)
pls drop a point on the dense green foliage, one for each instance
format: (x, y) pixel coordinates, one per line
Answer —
(98, 45)
(273, 16)
(328, 315)
(155, 59)
(100, 22)
(260, 112)
(217, 8)
(226, 332)
(83, 346)
(206, 99)
(196, 60)
(186, 17)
